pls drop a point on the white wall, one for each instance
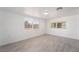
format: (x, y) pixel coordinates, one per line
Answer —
(72, 27)
(12, 27)
(3, 34)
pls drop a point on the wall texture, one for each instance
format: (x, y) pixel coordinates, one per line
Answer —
(12, 27)
(71, 30)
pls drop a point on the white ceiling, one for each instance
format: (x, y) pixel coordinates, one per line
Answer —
(38, 11)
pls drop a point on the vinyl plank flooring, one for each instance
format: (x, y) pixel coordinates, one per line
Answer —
(43, 43)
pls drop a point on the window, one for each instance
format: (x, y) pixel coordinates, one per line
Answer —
(58, 25)
(53, 25)
(35, 26)
(28, 24)
(31, 24)
(63, 24)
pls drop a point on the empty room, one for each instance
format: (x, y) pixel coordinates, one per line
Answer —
(39, 29)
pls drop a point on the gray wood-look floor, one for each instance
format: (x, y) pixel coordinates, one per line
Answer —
(43, 43)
